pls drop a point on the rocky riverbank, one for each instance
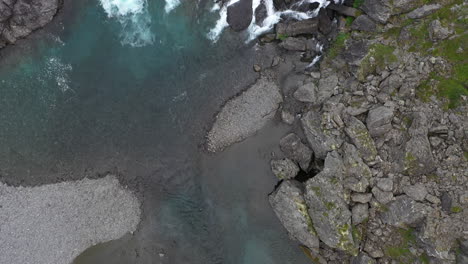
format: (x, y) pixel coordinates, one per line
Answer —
(375, 167)
(19, 18)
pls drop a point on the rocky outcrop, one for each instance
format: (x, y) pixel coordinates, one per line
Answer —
(19, 18)
(245, 114)
(239, 15)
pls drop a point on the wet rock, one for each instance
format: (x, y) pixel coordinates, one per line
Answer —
(292, 29)
(404, 212)
(291, 209)
(244, 115)
(360, 213)
(260, 14)
(294, 44)
(360, 137)
(325, 23)
(423, 11)
(363, 258)
(284, 168)
(287, 117)
(361, 197)
(378, 10)
(320, 140)
(239, 15)
(418, 191)
(327, 208)
(437, 32)
(418, 159)
(357, 173)
(381, 196)
(364, 23)
(306, 93)
(379, 120)
(327, 87)
(294, 149)
(385, 184)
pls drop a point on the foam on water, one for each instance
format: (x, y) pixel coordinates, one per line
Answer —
(273, 17)
(171, 5)
(134, 18)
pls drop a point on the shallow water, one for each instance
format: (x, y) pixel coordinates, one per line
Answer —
(82, 99)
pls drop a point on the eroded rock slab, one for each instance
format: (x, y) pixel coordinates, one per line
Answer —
(244, 115)
(53, 224)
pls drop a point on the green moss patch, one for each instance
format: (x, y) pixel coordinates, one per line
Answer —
(378, 57)
(338, 45)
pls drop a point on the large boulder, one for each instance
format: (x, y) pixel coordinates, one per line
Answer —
(361, 138)
(364, 23)
(320, 140)
(306, 93)
(327, 207)
(378, 10)
(294, 44)
(418, 159)
(245, 114)
(326, 87)
(291, 29)
(404, 212)
(379, 120)
(239, 15)
(292, 146)
(19, 18)
(291, 209)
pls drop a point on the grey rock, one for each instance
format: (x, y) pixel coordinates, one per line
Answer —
(325, 25)
(20, 18)
(287, 117)
(433, 199)
(344, 10)
(381, 196)
(391, 84)
(385, 184)
(423, 11)
(355, 51)
(294, 44)
(403, 6)
(294, 149)
(361, 197)
(291, 209)
(418, 191)
(446, 202)
(284, 168)
(357, 173)
(378, 10)
(437, 32)
(379, 120)
(327, 208)
(360, 213)
(244, 115)
(361, 138)
(292, 29)
(261, 13)
(320, 140)
(54, 223)
(239, 15)
(418, 159)
(327, 87)
(306, 93)
(363, 258)
(404, 212)
(364, 23)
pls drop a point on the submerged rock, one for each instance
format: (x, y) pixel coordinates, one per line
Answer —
(291, 209)
(244, 115)
(327, 207)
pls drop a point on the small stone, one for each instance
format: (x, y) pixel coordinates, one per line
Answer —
(435, 141)
(287, 117)
(315, 75)
(257, 68)
(284, 168)
(381, 196)
(418, 191)
(432, 199)
(360, 213)
(361, 197)
(385, 184)
(276, 61)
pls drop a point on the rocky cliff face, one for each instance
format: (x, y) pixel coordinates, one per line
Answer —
(384, 119)
(18, 18)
